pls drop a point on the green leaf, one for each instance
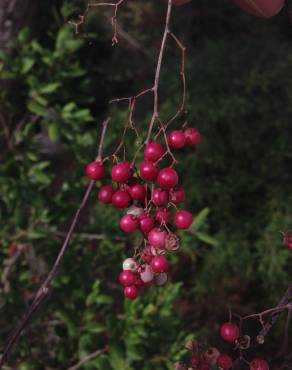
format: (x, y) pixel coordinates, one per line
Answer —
(207, 238)
(50, 88)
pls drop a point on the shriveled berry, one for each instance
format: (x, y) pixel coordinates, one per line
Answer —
(122, 172)
(224, 362)
(157, 237)
(193, 136)
(148, 171)
(127, 278)
(259, 364)
(229, 331)
(163, 215)
(121, 199)
(161, 279)
(183, 219)
(95, 170)
(130, 264)
(167, 178)
(159, 197)
(105, 194)
(159, 264)
(137, 191)
(177, 195)
(153, 151)
(129, 223)
(210, 355)
(146, 223)
(131, 292)
(176, 139)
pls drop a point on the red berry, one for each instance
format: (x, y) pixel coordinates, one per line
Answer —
(176, 139)
(121, 199)
(196, 361)
(146, 223)
(127, 278)
(259, 364)
(193, 136)
(105, 194)
(167, 178)
(153, 151)
(122, 172)
(156, 238)
(224, 362)
(129, 223)
(148, 171)
(95, 170)
(183, 219)
(163, 215)
(159, 264)
(159, 197)
(229, 331)
(204, 366)
(147, 254)
(177, 195)
(131, 292)
(137, 191)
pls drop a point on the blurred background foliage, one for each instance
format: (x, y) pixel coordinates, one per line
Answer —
(53, 96)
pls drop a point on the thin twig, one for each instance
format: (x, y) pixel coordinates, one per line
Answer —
(157, 72)
(88, 358)
(43, 291)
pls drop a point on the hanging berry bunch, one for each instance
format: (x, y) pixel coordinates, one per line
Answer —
(151, 196)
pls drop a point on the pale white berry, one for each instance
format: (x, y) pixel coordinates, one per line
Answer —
(161, 279)
(135, 211)
(130, 264)
(147, 274)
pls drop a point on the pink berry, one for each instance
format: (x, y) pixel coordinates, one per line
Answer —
(121, 199)
(146, 223)
(137, 191)
(177, 195)
(159, 197)
(196, 361)
(153, 151)
(148, 171)
(176, 139)
(229, 331)
(163, 215)
(259, 364)
(147, 255)
(224, 362)
(159, 264)
(193, 136)
(131, 292)
(127, 278)
(105, 194)
(156, 237)
(129, 223)
(146, 274)
(167, 178)
(122, 172)
(95, 171)
(183, 219)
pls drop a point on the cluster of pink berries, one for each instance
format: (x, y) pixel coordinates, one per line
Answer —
(202, 359)
(287, 240)
(148, 209)
(230, 332)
